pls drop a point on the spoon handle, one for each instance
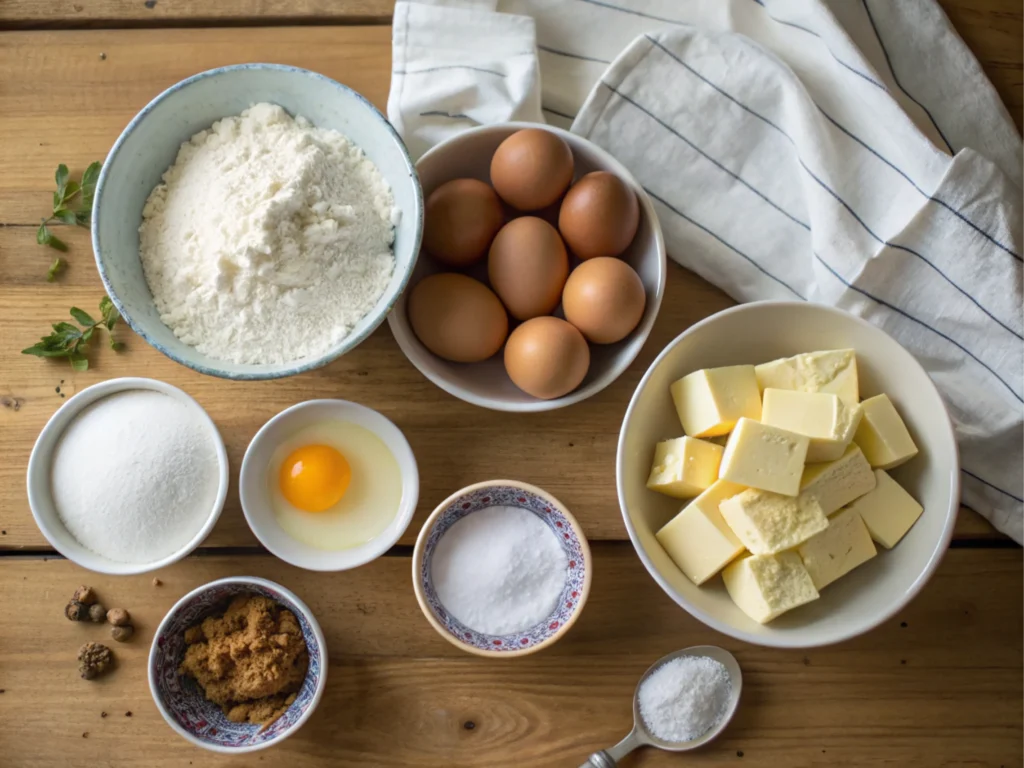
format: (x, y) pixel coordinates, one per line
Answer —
(609, 758)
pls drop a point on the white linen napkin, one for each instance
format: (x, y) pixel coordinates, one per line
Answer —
(848, 152)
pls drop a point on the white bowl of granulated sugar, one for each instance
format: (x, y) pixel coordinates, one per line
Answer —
(128, 476)
(257, 221)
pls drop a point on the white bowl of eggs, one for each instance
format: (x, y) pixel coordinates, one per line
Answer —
(543, 269)
(329, 485)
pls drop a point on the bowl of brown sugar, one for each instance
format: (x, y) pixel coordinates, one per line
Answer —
(238, 665)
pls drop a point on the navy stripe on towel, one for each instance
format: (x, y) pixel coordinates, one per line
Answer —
(993, 487)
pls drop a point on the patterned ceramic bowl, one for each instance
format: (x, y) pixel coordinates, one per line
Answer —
(503, 493)
(181, 701)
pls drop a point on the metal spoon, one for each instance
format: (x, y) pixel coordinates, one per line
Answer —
(640, 736)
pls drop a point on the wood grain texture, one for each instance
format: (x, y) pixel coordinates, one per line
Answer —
(938, 685)
(89, 100)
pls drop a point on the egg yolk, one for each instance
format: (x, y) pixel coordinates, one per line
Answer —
(314, 477)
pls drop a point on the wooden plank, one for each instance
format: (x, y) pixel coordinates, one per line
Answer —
(940, 684)
(62, 102)
(69, 14)
(77, 122)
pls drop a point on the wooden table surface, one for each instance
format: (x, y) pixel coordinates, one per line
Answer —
(940, 684)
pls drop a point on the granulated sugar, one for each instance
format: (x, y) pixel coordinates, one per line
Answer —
(135, 476)
(499, 571)
(684, 698)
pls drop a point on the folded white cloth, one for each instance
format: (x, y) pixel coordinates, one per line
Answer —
(848, 152)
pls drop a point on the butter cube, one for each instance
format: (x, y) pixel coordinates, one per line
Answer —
(767, 523)
(821, 416)
(882, 435)
(697, 539)
(838, 549)
(684, 467)
(766, 586)
(712, 400)
(766, 457)
(832, 371)
(888, 511)
(839, 482)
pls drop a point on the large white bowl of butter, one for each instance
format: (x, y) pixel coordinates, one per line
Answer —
(757, 333)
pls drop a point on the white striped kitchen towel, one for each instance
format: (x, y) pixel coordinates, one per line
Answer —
(847, 152)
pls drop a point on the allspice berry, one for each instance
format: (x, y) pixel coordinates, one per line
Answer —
(93, 660)
(97, 613)
(118, 617)
(76, 611)
(122, 633)
(86, 595)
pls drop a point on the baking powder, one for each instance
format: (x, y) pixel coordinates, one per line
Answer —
(685, 698)
(135, 476)
(499, 571)
(268, 240)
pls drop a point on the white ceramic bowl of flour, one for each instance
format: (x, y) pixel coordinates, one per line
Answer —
(157, 539)
(150, 145)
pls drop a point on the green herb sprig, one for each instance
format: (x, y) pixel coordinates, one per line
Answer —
(72, 205)
(72, 342)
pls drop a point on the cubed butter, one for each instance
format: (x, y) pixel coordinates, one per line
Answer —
(766, 586)
(823, 417)
(838, 549)
(837, 483)
(710, 401)
(767, 523)
(832, 371)
(684, 467)
(882, 435)
(697, 539)
(766, 457)
(888, 511)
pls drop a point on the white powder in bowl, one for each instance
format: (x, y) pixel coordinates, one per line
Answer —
(268, 240)
(135, 476)
(499, 571)
(685, 698)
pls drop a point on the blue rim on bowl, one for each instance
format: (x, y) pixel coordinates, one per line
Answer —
(347, 344)
(181, 701)
(553, 513)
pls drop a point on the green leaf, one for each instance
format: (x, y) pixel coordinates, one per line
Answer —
(82, 218)
(68, 217)
(89, 179)
(62, 178)
(57, 244)
(88, 334)
(65, 326)
(58, 199)
(117, 346)
(55, 269)
(80, 363)
(82, 317)
(42, 234)
(110, 313)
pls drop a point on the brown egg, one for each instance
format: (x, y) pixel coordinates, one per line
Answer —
(604, 297)
(546, 357)
(457, 318)
(461, 218)
(527, 267)
(531, 169)
(599, 216)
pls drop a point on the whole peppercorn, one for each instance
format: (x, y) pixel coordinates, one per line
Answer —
(93, 660)
(97, 613)
(122, 633)
(118, 617)
(86, 595)
(76, 611)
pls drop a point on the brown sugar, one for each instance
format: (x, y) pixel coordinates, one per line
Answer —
(251, 661)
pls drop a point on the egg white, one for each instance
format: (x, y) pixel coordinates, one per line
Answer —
(368, 506)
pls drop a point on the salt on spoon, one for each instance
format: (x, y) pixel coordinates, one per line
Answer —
(659, 705)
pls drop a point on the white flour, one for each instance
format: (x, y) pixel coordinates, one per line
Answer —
(268, 239)
(134, 476)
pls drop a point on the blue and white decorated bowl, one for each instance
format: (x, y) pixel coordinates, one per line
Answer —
(504, 493)
(149, 145)
(181, 700)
